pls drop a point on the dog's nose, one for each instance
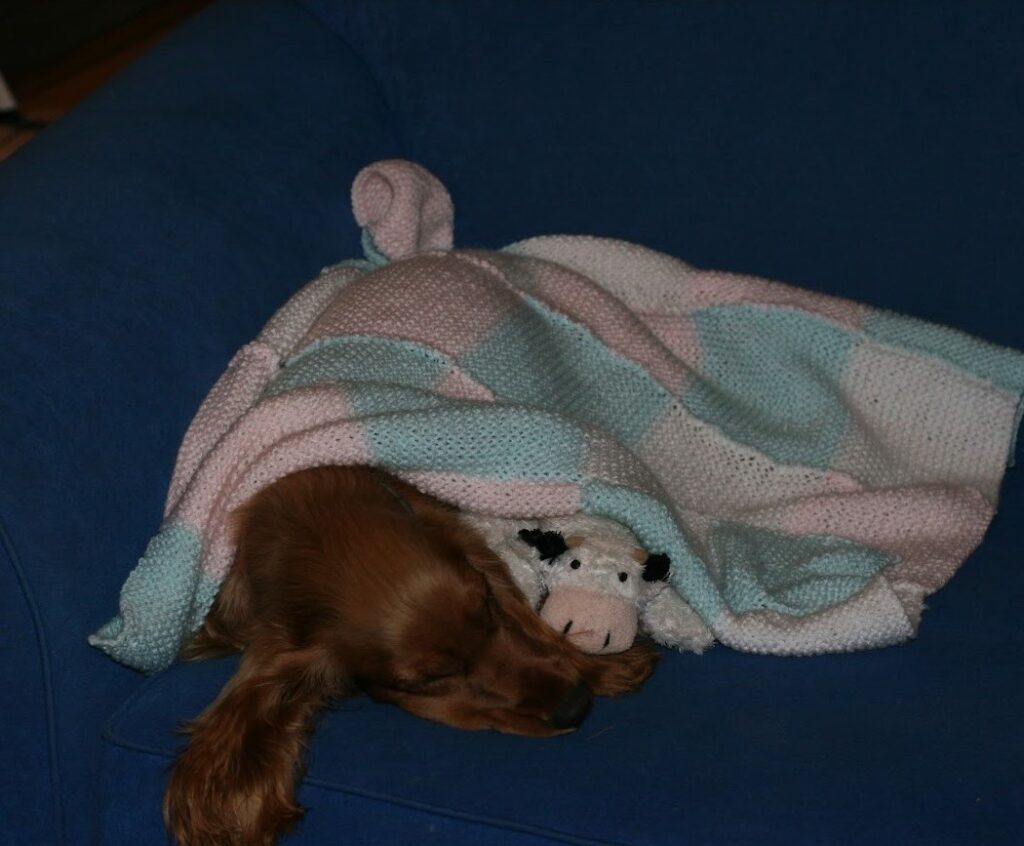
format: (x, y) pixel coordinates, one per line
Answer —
(572, 710)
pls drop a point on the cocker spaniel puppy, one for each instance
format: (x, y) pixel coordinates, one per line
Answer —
(348, 581)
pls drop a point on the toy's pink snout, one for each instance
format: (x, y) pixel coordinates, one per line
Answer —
(593, 622)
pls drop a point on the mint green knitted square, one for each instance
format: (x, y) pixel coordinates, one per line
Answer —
(770, 379)
(762, 570)
(575, 374)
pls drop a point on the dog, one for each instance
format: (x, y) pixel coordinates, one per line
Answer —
(347, 581)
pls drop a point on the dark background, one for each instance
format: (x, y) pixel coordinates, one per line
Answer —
(34, 34)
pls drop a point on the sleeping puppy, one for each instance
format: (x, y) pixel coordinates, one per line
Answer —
(348, 581)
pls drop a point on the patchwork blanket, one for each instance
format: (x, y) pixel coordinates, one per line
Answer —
(813, 467)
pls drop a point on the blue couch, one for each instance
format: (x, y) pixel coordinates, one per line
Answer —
(863, 149)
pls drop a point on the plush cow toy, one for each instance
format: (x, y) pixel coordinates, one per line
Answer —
(590, 579)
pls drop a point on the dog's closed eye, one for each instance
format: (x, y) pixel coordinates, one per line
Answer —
(423, 683)
(431, 675)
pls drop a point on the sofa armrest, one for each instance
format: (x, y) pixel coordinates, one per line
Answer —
(143, 239)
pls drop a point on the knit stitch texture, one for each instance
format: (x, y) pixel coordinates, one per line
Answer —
(813, 467)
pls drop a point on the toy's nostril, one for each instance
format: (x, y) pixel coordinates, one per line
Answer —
(607, 640)
(623, 577)
(568, 626)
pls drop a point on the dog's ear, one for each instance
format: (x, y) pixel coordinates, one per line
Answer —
(510, 598)
(235, 781)
(621, 672)
(656, 567)
(549, 544)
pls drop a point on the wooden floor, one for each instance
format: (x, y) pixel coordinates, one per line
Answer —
(44, 96)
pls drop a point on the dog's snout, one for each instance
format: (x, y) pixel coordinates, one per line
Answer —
(572, 710)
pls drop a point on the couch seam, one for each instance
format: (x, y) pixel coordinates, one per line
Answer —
(7, 544)
(111, 735)
(390, 115)
(479, 819)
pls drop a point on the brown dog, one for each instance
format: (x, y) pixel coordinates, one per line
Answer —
(346, 580)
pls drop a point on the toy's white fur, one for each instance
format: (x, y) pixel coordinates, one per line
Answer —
(606, 550)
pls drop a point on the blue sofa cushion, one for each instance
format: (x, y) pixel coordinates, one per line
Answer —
(915, 744)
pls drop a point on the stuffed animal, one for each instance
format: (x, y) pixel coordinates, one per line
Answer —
(590, 579)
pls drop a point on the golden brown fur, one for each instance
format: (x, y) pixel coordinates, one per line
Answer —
(348, 581)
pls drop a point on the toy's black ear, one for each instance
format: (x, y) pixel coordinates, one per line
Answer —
(656, 567)
(549, 544)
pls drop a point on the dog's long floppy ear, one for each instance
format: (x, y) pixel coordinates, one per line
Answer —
(549, 544)
(235, 781)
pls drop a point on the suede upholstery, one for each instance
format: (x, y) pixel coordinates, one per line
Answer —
(867, 150)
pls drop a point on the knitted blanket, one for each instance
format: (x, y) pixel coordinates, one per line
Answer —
(813, 467)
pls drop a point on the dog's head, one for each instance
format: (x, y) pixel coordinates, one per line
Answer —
(446, 634)
(374, 587)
